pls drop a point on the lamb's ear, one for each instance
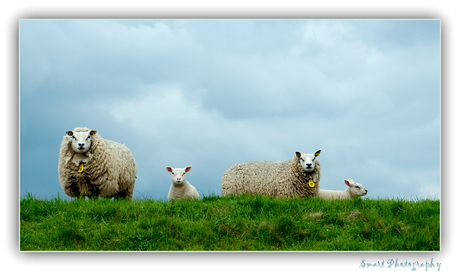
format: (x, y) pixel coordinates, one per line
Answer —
(349, 182)
(169, 169)
(92, 132)
(187, 169)
(298, 154)
(69, 133)
(317, 153)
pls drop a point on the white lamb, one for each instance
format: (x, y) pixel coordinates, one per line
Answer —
(353, 190)
(180, 187)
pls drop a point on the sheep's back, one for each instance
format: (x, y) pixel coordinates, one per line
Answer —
(254, 177)
(123, 160)
(120, 152)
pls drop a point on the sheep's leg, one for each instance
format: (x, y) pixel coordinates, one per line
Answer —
(107, 187)
(72, 189)
(125, 194)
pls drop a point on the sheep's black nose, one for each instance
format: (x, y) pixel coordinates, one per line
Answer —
(81, 145)
(308, 165)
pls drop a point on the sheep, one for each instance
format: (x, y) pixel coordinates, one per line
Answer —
(354, 190)
(180, 187)
(92, 166)
(299, 177)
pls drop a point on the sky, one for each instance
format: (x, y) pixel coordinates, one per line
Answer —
(214, 93)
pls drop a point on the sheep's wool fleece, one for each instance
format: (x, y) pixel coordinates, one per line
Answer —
(110, 170)
(184, 190)
(272, 178)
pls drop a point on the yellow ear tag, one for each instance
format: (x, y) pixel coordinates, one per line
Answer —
(80, 169)
(311, 183)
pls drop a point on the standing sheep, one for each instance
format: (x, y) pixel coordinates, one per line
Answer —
(180, 188)
(354, 190)
(92, 166)
(299, 177)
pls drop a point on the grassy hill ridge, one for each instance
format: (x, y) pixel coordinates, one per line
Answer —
(242, 223)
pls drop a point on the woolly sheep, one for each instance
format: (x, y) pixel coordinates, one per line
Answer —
(92, 166)
(180, 187)
(353, 190)
(299, 177)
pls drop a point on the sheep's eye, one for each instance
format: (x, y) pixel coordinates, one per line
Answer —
(301, 159)
(88, 137)
(357, 187)
(74, 137)
(172, 173)
(183, 174)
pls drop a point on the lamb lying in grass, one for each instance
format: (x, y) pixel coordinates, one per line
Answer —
(353, 190)
(180, 188)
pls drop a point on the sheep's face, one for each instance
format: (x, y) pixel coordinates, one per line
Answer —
(178, 174)
(81, 141)
(356, 189)
(307, 160)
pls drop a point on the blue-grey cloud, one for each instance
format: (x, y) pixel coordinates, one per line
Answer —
(211, 93)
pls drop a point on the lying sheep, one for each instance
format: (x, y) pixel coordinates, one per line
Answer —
(299, 177)
(353, 190)
(180, 188)
(92, 166)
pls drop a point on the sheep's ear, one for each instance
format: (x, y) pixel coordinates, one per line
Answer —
(187, 169)
(169, 169)
(298, 154)
(317, 153)
(93, 132)
(69, 133)
(347, 182)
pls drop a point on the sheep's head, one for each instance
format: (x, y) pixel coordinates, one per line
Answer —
(81, 141)
(355, 189)
(178, 174)
(307, 160)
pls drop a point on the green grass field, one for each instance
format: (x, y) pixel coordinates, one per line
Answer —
(243, 223)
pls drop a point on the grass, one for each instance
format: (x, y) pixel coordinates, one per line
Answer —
(242, 223)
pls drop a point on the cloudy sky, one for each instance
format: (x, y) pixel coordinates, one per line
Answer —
(213, 93)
